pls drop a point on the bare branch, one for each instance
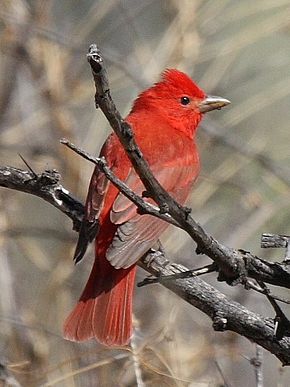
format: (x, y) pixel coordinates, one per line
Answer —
(257, 362)
(185, 274)
(144, 207)
(234, 265)
(266, 291)
(274, 240)
(224, 313)
(46, 186)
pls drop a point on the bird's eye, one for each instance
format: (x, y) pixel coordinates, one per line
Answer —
(184, 100)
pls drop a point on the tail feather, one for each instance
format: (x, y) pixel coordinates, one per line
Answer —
(78, 325)
(104, 310)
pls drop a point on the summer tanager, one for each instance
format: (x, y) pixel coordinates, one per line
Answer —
(164, 119)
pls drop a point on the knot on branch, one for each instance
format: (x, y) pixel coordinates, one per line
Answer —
(220, 322)
(127, 132)
(164, 208)
(48, 177)
(95, 58)
(187, 211)
(155, 259)
(41, 182)
(233, 269)
(99, 98)
(255, 362)
(146, 194)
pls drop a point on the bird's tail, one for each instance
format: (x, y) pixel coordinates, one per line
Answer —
(104, 310)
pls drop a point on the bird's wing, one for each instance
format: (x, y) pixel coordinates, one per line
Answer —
(94, 203)
(136, 233)
(98, 188)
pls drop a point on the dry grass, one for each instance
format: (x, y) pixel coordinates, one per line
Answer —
(236, 49)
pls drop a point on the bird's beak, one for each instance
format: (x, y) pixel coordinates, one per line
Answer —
(211, 103)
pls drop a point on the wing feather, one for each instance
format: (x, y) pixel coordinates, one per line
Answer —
(93, 207)
(136, 233)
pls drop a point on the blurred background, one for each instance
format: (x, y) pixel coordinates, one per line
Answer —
(237, 49)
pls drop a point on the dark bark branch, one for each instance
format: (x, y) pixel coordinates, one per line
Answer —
(143, 206)
(185, 274)
(224, 313)
(274, 240)
(266, 291)
(46, 186)
(234, 265)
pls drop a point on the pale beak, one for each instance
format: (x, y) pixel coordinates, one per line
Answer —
(211, 103)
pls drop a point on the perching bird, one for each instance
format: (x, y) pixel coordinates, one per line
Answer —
(164, 119)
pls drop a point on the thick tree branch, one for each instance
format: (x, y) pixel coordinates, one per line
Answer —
(46, 186)
(224, 313)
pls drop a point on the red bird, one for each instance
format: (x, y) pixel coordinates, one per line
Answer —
(164, 119)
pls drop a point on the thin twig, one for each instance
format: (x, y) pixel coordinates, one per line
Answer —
(225, 382)
(136, 362)
(266, 291)
(257, 362)
(185, 274)
(282, 323)
(144, 207)
(28, 166)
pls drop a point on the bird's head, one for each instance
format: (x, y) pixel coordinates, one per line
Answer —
(177, 99)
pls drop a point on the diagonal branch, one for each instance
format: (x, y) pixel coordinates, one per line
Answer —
(234, 265)
(101, 163)
(225, 313)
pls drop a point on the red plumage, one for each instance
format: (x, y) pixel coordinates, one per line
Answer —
(164, 119)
